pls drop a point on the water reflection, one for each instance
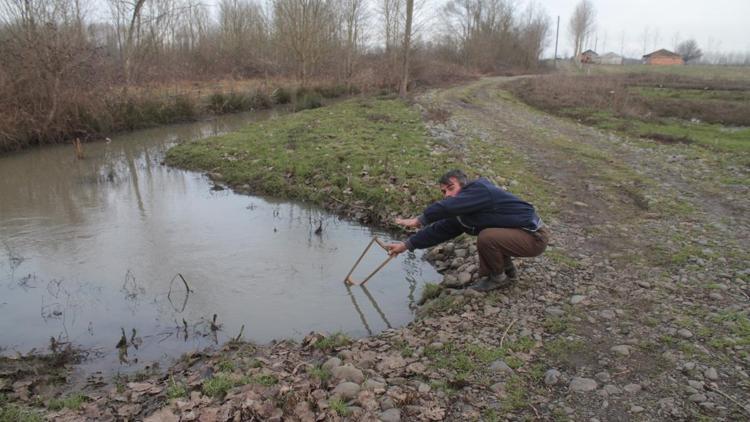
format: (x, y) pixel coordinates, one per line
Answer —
(119, 250)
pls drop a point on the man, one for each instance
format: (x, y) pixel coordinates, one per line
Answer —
(505, 226)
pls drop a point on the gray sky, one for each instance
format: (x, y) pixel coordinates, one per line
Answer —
(716, 25)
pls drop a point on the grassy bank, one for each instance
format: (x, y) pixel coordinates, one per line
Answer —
(714, 114)
(369, 154)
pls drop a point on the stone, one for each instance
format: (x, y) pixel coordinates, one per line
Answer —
(697, 398)
(498, 387)
(612, 389)
(373, 385)
(501, 366)
(602, 376)
(390, 415)
(451, 281)
(632, 388)
(348, 373)
(643, 283)
(684, 333)
(554, 311)
(622, 350)
(580, 384)
(576, 299)
(636, 409)
(607, 314)
(347, 390)
(162, 415)
(552, 376)
(698, 385)
(331, 363)
(711, 374)
(464, 278)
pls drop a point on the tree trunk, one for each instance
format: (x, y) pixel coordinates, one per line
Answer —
(407, 47)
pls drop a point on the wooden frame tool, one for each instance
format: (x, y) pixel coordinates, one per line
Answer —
(380, 243)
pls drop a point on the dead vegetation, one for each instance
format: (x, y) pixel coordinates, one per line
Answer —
(640, 96)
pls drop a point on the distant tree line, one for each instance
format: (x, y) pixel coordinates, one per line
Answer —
(62, 60)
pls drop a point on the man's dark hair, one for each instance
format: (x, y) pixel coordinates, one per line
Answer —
(458, 174)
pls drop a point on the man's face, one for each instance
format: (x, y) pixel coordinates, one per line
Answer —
(451, 189)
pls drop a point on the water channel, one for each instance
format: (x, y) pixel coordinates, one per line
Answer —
(96, 249)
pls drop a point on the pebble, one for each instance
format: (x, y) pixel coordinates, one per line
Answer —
(632, 388)
(390, 415)
(498, 387)
(552, 377)
(501, 366)
(554, 311)
(373, 385)
(698, 385)
(348, 373)
(612, 389)
(696, 398)
(582, 384)
(644, 284)
(715, 296)
(576, 299)
(347, 390)
(684, 333)
(331, 363)
(464, 278)
(607, 314)
(711, 374)
(602, 376)
(622, 350)
(636, 409)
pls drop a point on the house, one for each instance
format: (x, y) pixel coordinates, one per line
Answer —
(663, 57)
(608, 58)
(587, 56)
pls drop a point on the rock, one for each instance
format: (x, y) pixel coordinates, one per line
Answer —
(162, 415)
(602, 376)
(580, 384)
(698, 385)
(451, 281)
(644, 284)
(697, 398)
(684, 333)
(576, 299)
(464, 278)
(373, 385)
(607, 314)
(347, 390)
(612, 389)
(580, 204)
(348, 373)
(331, 363)
(390, 415)
(552, 376)
(498, 387)
(554, 311)
(632, 388)
(715, 296)
(622, 350)
(711, 374)
(501, 367)
(636, 409)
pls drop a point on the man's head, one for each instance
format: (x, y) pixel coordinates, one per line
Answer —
(452, 182)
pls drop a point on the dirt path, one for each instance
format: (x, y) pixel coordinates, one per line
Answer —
(659, 259)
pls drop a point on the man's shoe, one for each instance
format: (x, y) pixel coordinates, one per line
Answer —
(493, 282)
(510, 269)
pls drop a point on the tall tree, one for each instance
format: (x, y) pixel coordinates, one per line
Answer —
(407, 48)
(581, 25)
(689, 50)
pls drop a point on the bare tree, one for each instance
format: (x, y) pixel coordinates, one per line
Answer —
(581, 25)
(406, 48)
(689, 50)
(353, 15)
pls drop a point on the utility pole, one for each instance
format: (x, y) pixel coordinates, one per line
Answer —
(557, 36)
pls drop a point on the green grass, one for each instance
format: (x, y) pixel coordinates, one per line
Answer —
(339, 406)
(218, 385)
(10, 412)
(430, 291)
(332, 342)
(318, 372)
(370, 150)
(175, 390)
(73, 402)
(698, 71)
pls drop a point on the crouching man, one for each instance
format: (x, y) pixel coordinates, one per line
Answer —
(505, 227)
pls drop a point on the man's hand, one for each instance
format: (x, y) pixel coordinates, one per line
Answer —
(412, 223)
(396, 248)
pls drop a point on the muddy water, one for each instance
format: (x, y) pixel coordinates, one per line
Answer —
(94, 248)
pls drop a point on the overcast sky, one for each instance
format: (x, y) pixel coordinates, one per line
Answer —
(716, 25)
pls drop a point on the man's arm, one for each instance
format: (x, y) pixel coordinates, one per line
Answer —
(429, 236)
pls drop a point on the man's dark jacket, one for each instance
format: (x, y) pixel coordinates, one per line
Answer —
(479, 205)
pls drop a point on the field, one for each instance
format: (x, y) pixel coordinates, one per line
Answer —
(663, 105)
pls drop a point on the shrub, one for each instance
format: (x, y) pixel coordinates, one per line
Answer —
(281, 96)
(308, 101)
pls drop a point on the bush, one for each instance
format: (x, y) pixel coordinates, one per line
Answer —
(261, 100)
(281, 96)
(308, 101)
